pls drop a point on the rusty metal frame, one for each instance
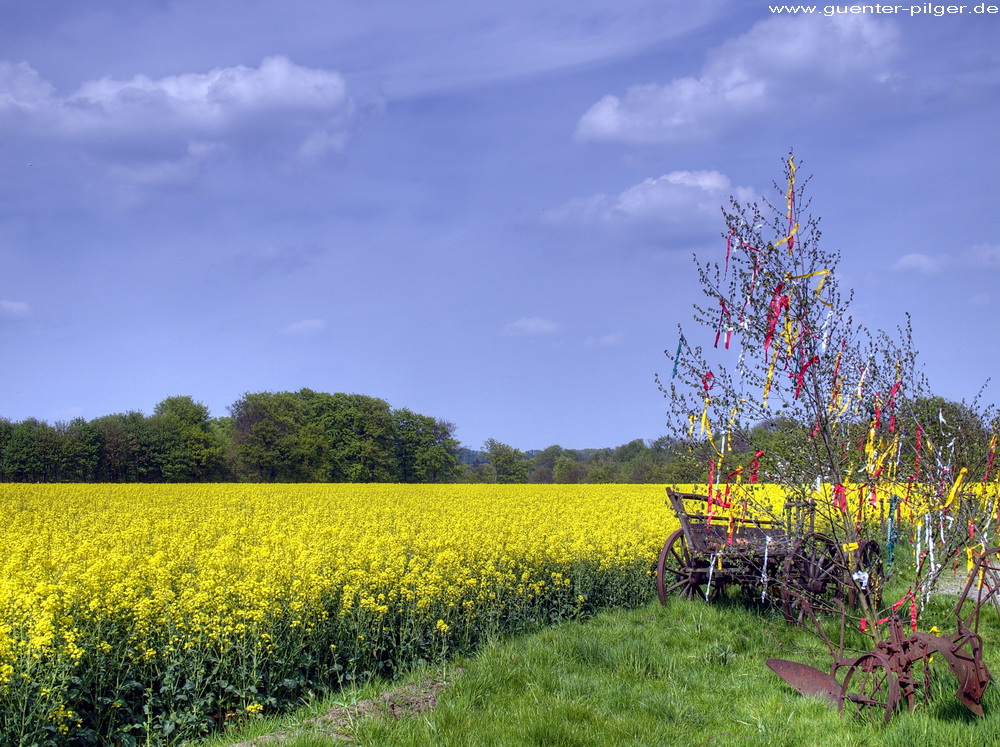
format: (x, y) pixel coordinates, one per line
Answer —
(890, 667)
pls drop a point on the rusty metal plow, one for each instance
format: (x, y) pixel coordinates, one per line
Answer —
(875, 683)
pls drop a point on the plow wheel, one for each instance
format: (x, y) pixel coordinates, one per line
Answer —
(814, 570)
(871, 689)
(676, 573)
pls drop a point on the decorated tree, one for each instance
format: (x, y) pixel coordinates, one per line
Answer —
(782, 357)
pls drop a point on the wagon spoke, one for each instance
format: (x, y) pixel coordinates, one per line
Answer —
(676, 570)
(814, 571)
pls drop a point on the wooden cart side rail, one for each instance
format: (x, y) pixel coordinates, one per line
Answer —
(677, 503)
(674, 496)
(737, 520)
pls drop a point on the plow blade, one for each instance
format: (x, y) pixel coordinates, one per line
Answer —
(807, 680)
(967, 665)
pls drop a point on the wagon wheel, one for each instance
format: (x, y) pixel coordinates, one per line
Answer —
(870, 562)
(870, 690)
(676, 571)
(813, 570)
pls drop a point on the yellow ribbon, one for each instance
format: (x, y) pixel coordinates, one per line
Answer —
(954, 488)
(790, 196)
(824, 274)
(767, 384)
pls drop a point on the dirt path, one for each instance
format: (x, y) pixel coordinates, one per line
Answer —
(338, 723)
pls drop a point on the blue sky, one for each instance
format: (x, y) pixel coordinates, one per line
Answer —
(482, 212)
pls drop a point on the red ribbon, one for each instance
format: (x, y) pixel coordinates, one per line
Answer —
(724, 317)
(802, 375)
(778, 302)
(755, 465)
(840, 497)
(895, 607)
(892, 405)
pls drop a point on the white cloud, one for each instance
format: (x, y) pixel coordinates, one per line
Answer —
(783, 66)
(603, 341)
(984, 255)
(304, 328)
(980, 257)
(922, 263)
(189, 112)
(980, 299)
(164, 171)
(674, 199)
(530, 326)
(14, 309)
(21, 87)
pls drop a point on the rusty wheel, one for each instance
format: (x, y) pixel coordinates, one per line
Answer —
(675, 573)
(871, 689)
(815, 571)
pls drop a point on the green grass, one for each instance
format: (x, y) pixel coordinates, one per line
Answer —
(689, 673)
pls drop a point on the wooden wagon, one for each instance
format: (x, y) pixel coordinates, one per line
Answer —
(784, 558)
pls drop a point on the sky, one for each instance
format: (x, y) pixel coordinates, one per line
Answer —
(483, 212)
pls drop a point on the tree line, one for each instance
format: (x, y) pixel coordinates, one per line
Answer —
(302, 436)
(663, 460)
(309, 436)
(950, 431)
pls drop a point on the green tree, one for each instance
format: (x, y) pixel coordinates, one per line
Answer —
(274, 440)
(130, 449)
(627, 452)
(510, 464)
(81, 451)
(568, 470)
(6, 430)
(425, 450)
(26, 456)
(358, 431)
(543, 464)
(953, 431)
(193, 451)
(603, 469)
(644, 468)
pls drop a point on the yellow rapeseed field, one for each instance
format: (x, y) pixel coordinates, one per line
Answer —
(145, 613)
(130, 612)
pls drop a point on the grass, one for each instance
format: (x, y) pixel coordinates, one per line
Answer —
(689, 673)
